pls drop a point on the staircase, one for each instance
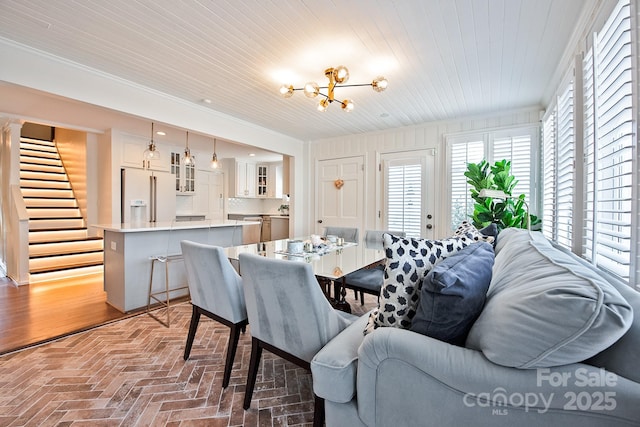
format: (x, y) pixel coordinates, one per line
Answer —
(59, 246)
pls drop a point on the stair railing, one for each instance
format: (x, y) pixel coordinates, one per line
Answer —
(17, 255)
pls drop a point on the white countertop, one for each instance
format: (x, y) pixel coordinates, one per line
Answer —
(169, 225)
(280, 216)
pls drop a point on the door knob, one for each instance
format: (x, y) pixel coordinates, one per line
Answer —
(319, 221)
(429, 226)
(429, 216)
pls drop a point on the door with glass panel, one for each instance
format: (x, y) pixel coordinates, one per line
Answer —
(407, 194)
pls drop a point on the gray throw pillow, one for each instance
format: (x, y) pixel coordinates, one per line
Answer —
(453, 294)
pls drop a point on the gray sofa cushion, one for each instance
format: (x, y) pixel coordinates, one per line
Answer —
(453, 294)
(544, 308)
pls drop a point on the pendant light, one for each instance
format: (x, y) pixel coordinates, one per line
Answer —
(188, 158)
(151, 153)
(214, 159)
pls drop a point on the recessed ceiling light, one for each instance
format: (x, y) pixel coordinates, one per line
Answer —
(206, 101)
(161, 133)
(252, 154)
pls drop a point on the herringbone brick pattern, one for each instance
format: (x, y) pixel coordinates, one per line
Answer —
(131, 373)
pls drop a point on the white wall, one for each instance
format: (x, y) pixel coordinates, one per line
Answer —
(426, 136)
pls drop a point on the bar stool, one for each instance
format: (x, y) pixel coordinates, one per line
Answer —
(167, 260)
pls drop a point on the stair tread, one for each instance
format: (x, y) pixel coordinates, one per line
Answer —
(66, 267)
(49, 218)
(52, 207)
(66, 253)
(70, 240)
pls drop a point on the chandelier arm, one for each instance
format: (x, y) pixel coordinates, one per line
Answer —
(362, 84)
(319, 87)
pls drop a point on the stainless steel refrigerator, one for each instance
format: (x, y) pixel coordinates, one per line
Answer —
(155, 188)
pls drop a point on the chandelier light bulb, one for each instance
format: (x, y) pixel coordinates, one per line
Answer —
(214, 161)
(322, 105)
(347, 105)
(311, 89)
(341, 74)
(379, 84)
(286, 91)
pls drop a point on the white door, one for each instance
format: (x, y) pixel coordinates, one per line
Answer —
(340, 194)
(408, 203)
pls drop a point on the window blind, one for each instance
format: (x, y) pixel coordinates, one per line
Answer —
(462, 153)
(404, 197)
(549, 175)
(613, 160)
(565, 168)
(517, 149)
(589, 210)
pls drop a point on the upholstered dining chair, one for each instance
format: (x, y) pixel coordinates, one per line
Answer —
(216, 292)
(289, 316)
(369, 280)
(349, 234)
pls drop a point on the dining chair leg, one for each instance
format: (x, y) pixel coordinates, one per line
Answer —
(318, 411)
(361, 298)
(193, 326)
(254, 363)
(234, 337)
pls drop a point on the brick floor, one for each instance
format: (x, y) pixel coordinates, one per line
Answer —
(131, 373)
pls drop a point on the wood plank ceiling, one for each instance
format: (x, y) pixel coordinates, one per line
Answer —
(444, 59)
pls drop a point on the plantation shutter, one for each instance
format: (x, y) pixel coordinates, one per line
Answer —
(588, 241)
(565, 168)
(549, 175)
(462, 153)
(517, 149)
(613, 144)
(404, 196)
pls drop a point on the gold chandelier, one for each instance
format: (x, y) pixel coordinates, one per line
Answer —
(337, 76)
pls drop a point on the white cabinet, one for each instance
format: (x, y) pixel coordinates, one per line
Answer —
(274, 183)
(133, 148)
(262, 172)
(262, 180)
(242, 178)
(185, 175)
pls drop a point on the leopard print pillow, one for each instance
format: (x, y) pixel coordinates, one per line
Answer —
(408, 260)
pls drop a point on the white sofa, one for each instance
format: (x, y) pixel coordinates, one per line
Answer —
(538, 369)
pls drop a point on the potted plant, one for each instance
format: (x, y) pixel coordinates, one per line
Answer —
(284, 210)
(509, 212)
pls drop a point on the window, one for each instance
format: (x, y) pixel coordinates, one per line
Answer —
(404, 196)
(549, 175)
(603, 185)
(517, 145)
(558, 169)
(609, 155)
(461, 201)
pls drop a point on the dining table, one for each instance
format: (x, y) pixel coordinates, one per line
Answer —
(329, 261)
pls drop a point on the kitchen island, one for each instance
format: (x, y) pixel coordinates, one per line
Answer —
(128, 249)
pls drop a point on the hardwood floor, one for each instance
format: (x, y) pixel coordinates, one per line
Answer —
(38, 313)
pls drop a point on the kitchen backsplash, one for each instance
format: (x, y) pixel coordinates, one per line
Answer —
(257, 206)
